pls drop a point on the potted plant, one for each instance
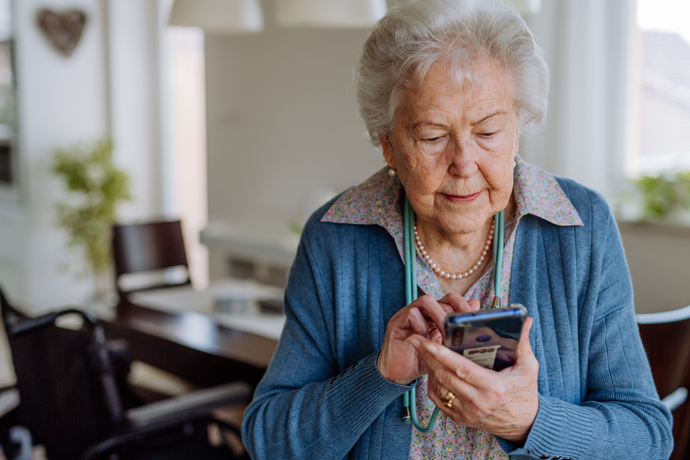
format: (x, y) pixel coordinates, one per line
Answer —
(95, 187)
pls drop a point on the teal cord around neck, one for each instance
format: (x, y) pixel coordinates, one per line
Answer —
(409, 398)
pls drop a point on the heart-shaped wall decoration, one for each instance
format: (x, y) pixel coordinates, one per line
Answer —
(63, 29)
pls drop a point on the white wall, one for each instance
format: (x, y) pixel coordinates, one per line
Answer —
(63, 101)
(282, 112)
(282, 120)
(134, 75)
(658, 260)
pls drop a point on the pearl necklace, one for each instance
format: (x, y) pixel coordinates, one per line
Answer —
(443, 273)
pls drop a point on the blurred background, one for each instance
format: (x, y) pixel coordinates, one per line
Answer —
(243, 130)
(239, 118)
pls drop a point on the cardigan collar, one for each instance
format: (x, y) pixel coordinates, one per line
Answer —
(378, 201)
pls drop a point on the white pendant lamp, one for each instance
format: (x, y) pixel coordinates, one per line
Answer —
(527, 7)
(218, 16)
(329, 13)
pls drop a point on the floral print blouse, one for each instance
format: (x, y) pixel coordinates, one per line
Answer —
(378, 201)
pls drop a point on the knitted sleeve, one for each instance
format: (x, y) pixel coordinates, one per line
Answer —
(304, 409)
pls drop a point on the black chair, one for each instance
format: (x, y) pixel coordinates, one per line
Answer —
(70, 398)
(666, 338)
(148, 247)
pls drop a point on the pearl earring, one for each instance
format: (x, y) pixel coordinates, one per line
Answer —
(391, 172)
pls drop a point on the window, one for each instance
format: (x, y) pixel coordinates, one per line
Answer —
(660, 88)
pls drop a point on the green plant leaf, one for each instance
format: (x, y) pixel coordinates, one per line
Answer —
(95, 187)
(663, 193)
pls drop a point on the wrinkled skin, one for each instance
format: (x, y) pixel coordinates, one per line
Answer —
(503, 403)
(398, 360)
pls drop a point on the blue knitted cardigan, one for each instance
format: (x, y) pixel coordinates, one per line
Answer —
(323, 397)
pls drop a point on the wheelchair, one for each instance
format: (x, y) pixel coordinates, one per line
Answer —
(74, 399)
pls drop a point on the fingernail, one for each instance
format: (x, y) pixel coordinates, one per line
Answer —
(431, 347)
(414, 341)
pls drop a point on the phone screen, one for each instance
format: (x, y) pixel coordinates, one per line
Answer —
(488, 338)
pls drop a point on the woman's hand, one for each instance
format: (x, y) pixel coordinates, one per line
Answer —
(503, 403)
(398, 360)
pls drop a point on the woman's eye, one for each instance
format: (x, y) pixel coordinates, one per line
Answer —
(433, 139)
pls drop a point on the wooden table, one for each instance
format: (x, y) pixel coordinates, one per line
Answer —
(191, 345)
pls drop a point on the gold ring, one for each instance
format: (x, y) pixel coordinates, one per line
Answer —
(448, 400)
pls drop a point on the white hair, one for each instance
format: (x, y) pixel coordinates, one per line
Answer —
(410, 39)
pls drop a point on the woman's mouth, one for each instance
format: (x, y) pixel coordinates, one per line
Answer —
(462, 198)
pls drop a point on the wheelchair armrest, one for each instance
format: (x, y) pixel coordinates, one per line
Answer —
(164, 416)
(29, 324)
(675, 399)
(9, 400)
(188, 406)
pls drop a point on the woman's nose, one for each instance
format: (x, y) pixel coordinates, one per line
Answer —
(462, 158)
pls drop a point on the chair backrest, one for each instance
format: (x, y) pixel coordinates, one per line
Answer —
(62, 380)
(148, 247)
(666, 338)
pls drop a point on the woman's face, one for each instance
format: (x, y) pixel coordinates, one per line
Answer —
(454, 146)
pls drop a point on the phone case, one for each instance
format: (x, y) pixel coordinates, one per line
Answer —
(489, 337)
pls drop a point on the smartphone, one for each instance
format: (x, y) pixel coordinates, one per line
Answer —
(489, 337)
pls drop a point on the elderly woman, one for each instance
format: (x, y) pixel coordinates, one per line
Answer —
(446, 87)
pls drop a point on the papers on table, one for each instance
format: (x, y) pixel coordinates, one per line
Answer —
(240, 295)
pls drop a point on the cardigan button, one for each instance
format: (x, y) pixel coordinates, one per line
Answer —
(544, 456)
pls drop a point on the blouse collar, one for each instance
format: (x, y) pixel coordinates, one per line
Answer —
(378, 201)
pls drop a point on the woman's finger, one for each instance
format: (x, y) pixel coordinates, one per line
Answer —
(436, 336)
(441, 381)
(458, 303)
(473, 405)
(474, 304)
(431, 309)
(525, 356)
(418, 322)
(436, 356)
(425, 348)
(468, 402)
(524, 347)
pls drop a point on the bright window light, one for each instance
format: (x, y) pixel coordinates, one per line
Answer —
(660, 132)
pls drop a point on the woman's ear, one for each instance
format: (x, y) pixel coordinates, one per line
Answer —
(387, 150)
